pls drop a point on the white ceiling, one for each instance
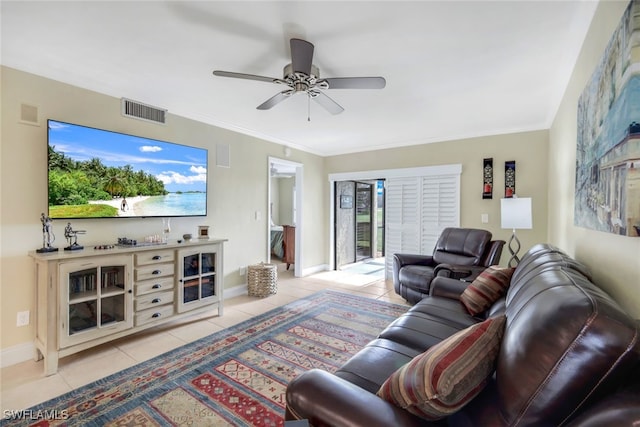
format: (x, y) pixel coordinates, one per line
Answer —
(454, 69)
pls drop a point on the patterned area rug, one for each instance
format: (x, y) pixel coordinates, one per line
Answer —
(236, 377)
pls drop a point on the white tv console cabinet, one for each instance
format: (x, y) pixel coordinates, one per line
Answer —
(91, 296)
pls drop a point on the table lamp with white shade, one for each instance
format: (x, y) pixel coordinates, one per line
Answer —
(515, 214)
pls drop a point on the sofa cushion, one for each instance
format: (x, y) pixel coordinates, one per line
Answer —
(446, 377)
(385, 355)
(486, 289)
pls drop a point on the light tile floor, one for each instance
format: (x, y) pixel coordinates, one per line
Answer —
(24, 385)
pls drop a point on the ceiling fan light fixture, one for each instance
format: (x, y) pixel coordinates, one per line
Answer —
(302, 76)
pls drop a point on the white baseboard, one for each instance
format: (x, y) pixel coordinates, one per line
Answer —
(236, 291)
(17, 354)
(315, 269)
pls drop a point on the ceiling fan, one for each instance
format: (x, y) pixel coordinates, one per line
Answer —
(301, 76)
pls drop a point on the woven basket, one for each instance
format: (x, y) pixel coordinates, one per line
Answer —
(262, 280)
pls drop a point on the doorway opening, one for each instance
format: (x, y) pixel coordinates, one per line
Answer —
(284, 225)
(359, 225)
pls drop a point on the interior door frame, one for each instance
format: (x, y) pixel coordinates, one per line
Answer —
(297, 265)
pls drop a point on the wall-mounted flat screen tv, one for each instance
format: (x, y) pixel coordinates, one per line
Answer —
(94, 173)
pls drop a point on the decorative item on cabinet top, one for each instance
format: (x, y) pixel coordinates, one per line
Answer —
(203, 232)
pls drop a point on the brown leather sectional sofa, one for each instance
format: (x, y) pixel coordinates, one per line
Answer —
(569, 356)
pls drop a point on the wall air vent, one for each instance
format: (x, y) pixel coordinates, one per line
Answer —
(138, 110)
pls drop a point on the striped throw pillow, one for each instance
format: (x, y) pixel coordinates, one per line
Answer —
(443, 379)
(486, 289)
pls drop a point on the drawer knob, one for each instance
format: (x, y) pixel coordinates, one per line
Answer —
(154, 315)
(156, 258)
(156, 272)
(155, 300)
(156, 286)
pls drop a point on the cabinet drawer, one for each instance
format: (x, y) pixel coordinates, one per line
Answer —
(153, 300)
(158, 285)
(154, 257)
(152, 271)
(153, 314)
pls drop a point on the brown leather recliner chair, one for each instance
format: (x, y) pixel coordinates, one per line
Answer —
(460, 253)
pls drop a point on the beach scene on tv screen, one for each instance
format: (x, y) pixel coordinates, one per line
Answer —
(95, 173)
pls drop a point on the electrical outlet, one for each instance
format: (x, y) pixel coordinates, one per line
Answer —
(243, 271)
(22, 318)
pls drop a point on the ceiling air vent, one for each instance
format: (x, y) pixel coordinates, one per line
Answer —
(141, 111)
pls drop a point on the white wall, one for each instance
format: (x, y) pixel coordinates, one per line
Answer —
(615, 260)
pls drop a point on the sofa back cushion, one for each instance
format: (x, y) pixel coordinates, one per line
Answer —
(544, 256)
(461, 246)
(566, 342)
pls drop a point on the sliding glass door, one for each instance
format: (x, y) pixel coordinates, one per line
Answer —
(364, 220)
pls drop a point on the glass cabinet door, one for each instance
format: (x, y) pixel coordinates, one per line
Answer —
(98, 300)
(198, 278)
(208, 275)
(83, 300)
(191, 282)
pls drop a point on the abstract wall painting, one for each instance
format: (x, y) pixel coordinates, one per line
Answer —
(607, 187)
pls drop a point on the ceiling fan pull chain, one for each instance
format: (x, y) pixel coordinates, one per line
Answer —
(308, 107)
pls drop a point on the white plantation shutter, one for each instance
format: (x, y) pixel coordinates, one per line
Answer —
(440, 207)
(417, 210)
(402, 217)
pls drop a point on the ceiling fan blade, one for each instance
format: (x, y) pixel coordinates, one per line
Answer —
(329, 104)
(245, 76)
(301, 56)
(275, 99)
(354, 82)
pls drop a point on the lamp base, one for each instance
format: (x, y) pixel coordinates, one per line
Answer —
(514, 260)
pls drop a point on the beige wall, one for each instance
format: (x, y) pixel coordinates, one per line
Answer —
(286, 200)
(275, 201)
(528, 149)
(615, 260)
(235, 193)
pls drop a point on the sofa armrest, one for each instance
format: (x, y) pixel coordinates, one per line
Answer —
(462, 272)
(400, 260)
(447, 288)
(452, 271)
(619, 409)
(413, 259)
(327, 400)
